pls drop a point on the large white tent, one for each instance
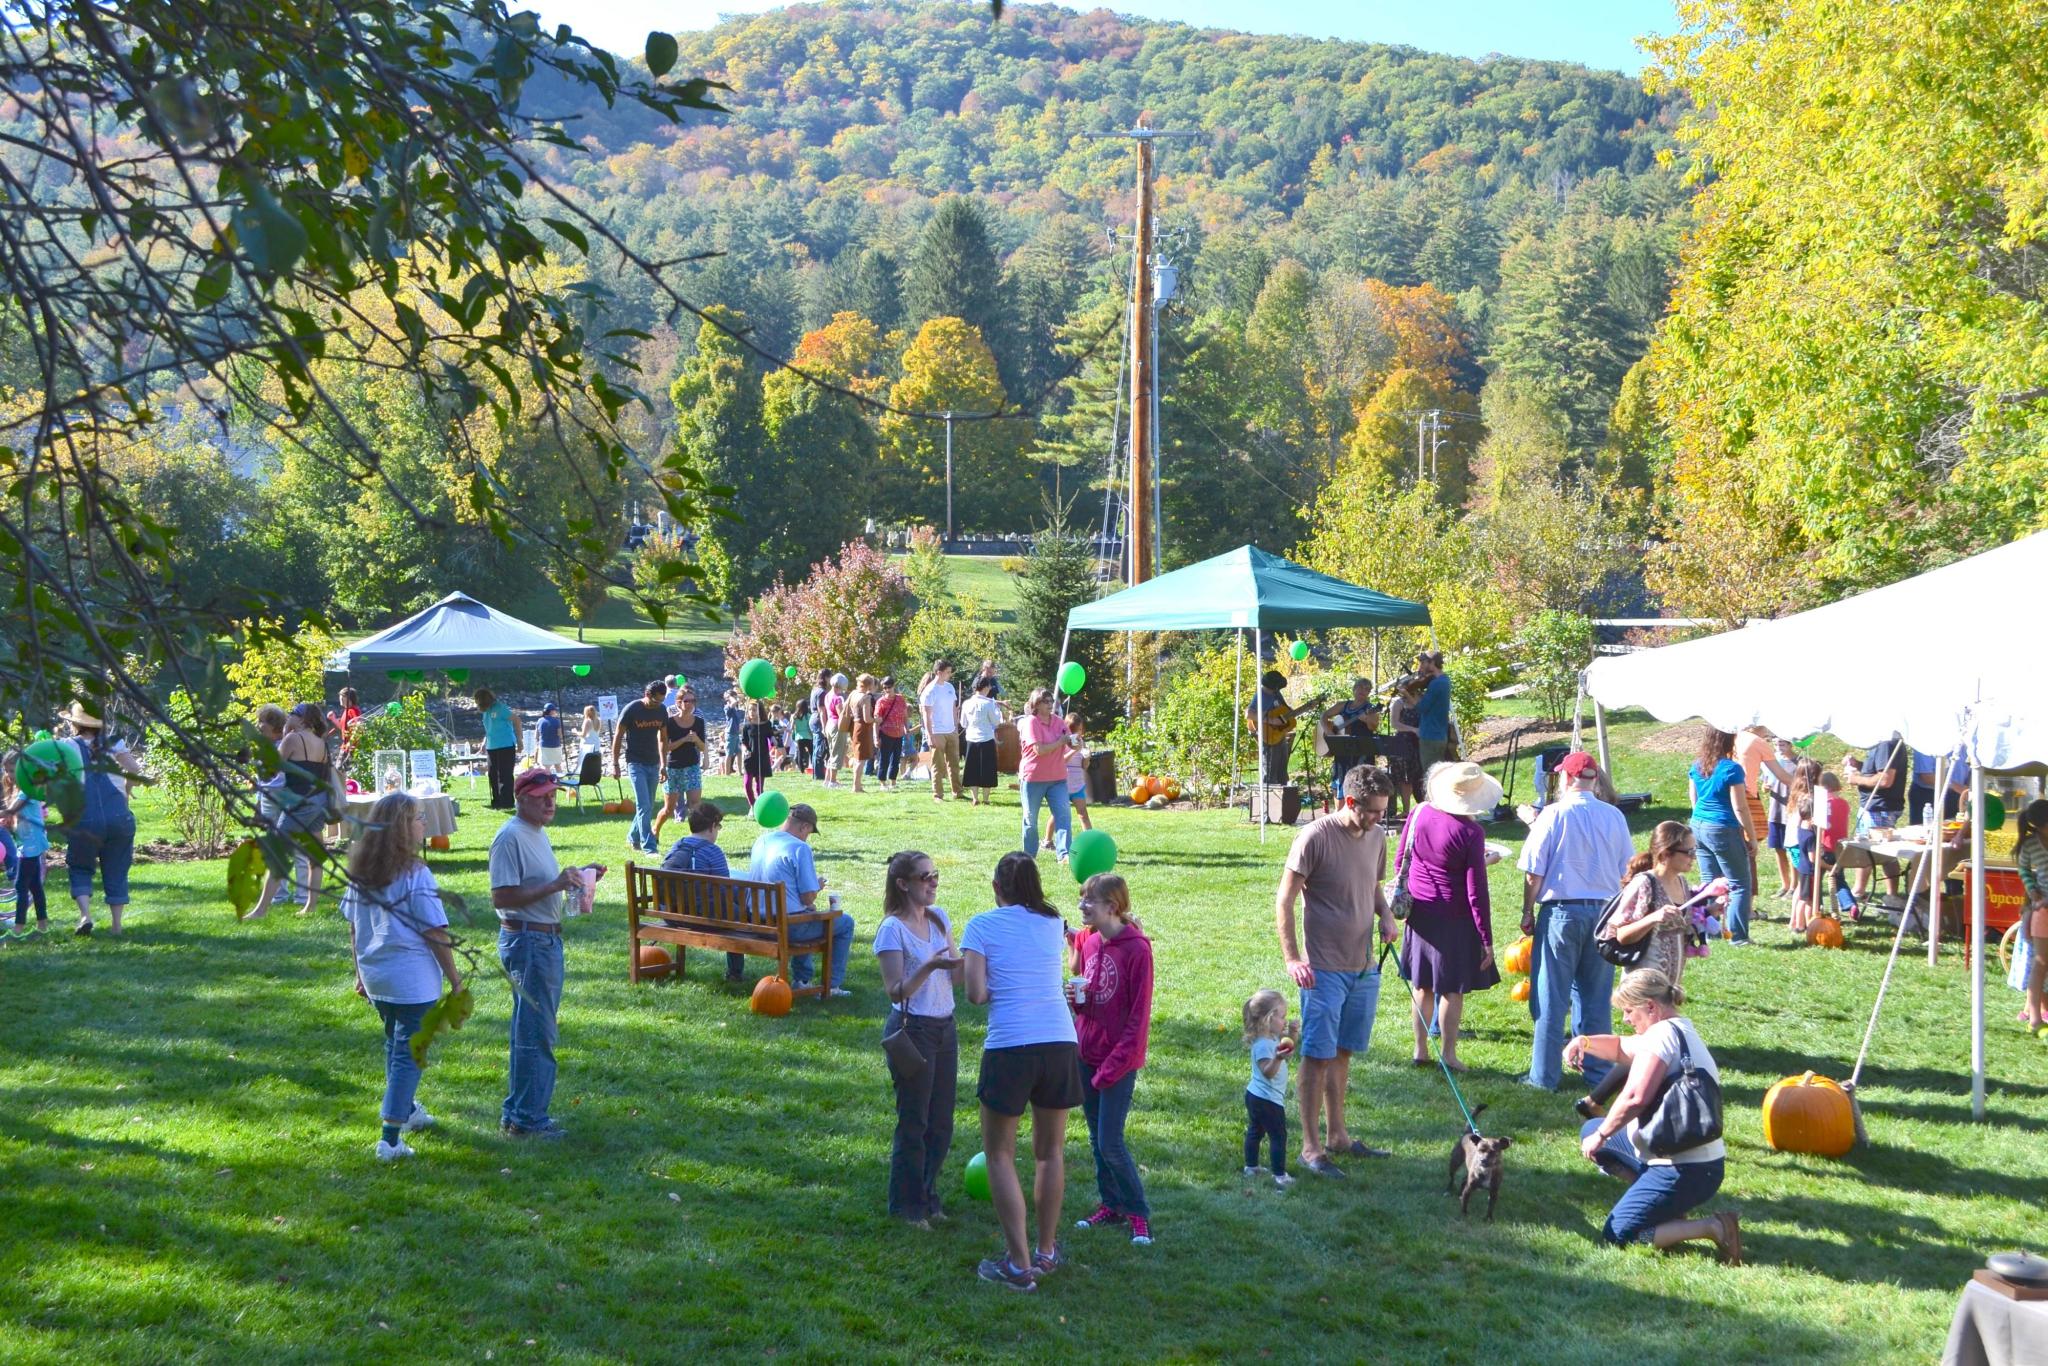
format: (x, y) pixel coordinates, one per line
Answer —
(1950, 660)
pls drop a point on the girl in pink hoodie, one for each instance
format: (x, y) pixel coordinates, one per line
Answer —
(1112, 997)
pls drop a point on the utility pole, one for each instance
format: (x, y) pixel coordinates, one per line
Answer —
(948, 415)
(1142, 540)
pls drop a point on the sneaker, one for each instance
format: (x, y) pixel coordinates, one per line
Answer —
(1045, 1263)
(1252, 1172)
(1283, 1180)
(1103, 1215)
(393, 1152)
(834, 992)
(549, 1130)
(420, 1120)
(1141, 1230)
(999, 1270)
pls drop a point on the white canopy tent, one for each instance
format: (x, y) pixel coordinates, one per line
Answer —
(1971, 695)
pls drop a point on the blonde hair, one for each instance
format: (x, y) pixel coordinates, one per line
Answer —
(381, 855)
(1647, 986)
(1112, 890)
(1261, 1014)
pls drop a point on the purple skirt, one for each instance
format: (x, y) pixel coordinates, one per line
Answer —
(1441, 949)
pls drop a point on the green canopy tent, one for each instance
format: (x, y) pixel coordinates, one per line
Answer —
(1244, 589)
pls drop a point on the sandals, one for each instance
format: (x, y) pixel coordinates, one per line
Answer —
(1730, 1238)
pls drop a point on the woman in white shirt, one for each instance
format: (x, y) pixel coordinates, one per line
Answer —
(1663, 1188)
(1016, 961)
(980, 714)
(914, 946)
(398, 934)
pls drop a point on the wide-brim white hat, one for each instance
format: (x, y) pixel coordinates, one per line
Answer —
(1464, 789)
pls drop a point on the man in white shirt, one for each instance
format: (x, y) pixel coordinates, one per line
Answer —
(1573, 863)
(939, 704)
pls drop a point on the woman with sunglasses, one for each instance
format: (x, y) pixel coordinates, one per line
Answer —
(1649, 908)
(914, 946)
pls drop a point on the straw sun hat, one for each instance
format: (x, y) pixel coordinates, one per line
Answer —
(80, 717)
(1464, 789)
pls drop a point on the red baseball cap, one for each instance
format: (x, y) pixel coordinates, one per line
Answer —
(1576, 763)
(534, 782)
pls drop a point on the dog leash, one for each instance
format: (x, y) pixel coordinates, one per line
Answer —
(1471, 1127)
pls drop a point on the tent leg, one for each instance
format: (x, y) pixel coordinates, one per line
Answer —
(1977, 940)
(1259, 658)
(1870, 1031)
(1600, 734)
(1376, 679)
(1579, 716)
(1943, 774)
(1060, 667)
(1237, 718)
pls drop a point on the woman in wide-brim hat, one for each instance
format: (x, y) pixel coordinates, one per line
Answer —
(1447, 949)
(102, 835)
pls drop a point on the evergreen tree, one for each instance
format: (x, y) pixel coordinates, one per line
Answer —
(876, 292)
(1058, 576)
(1075, 436)
(717, 401)
(954, 274)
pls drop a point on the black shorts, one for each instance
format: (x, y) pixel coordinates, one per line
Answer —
(1045, 1075)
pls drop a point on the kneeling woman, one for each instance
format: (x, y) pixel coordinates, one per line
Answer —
(1663, 1189)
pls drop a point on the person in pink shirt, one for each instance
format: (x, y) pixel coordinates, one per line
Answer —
(1113, 1019)
(1044, 770)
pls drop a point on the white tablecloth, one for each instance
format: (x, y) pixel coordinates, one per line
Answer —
(1991, 1330)
(437, 813)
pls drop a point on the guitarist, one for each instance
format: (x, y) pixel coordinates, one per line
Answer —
(1272, 720)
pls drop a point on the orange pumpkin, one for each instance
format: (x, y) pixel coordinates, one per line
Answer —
(1518, 956)
(655, 958)
(437, 842)
(1519, 991)
(1809, 1114)
(1140, 795)
(1172, 789)
(1825, 931)
(772, 997)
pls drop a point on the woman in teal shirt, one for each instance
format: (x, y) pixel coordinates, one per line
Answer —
(501, 746)
(1720, 826)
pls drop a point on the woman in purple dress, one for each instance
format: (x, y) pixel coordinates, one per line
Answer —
(1448, 948)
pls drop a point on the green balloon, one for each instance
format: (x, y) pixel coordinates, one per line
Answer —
(1092, 852)
(771, 809)
(42, 762)
(976, 1179)
(1299, 649)
(393, 708)
(1072, 677)
(458, 675)
(757, 679)
(580, 670)
(790, 673)
(42, 735)
(1994, 811)
(1807, 743)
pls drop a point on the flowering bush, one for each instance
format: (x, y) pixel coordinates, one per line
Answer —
(850, 615)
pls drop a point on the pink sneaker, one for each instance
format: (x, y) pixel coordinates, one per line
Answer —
(1103, 1215)
(1141, 1230)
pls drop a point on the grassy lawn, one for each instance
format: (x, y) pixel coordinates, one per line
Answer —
(185, 1167)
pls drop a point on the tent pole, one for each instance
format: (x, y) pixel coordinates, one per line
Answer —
(1259, 658)
(1236, 718)
(1060, 667)
(1600, 734)
(1976, 938)
(1942, 774)
(1579, 714)
(1376, 679)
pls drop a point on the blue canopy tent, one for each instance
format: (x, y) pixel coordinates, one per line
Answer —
(458, 632)
(1245, 589)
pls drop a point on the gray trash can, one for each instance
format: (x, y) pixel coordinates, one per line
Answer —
(1102, 787)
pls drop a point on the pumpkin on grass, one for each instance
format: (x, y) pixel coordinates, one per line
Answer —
(1825, 931)
(655, 958)
(1172, 789)
(771, 997)
(1809, 1114)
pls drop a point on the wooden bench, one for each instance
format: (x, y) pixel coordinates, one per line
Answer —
(732, 915)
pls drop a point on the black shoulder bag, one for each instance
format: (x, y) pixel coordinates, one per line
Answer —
(1688, 1110)
(1612, 949)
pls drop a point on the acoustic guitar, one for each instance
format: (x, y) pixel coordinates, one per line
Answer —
(1278, 722)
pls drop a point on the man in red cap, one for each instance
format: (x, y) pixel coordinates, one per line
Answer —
(1573, 864)
(527, 887)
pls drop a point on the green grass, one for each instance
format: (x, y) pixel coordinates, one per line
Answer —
(185, 1169)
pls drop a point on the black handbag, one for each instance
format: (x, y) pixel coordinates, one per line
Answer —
(1688, 1109)
(1612, 949)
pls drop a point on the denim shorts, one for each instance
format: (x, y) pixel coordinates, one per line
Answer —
(682, 780)
(1077, 794)
(1336, 1013)
(1774, 835)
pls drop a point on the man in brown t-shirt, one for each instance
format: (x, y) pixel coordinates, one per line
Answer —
(1335, 868)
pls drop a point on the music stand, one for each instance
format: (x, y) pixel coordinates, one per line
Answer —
(1356, 748)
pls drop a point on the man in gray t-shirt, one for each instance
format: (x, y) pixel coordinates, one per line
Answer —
(527, 885)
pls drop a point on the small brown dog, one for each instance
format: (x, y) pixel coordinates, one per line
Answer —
(1481, 1160)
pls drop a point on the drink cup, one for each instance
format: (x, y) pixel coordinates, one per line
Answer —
(1077, 990)
(586, 895)
(832, 902)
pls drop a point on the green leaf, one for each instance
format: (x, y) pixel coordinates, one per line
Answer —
(569, 232)
(245, 878)
(212, 285)
(661, 53)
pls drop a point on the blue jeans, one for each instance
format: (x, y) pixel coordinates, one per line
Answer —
(1116, 1173)
(888, 757)
(401, 1073)
(1569, 983)
(1663, 1191)
(1724, 853)
(842, 949)
(1053, 793)
(646, 804)
(534, 963)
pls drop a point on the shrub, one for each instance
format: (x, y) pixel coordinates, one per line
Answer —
(283, 669)
(1188, 735)
(1553, 649)
(665, 575)
(953, 628)
(412, 728)
(191, 802)
(849, 614)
